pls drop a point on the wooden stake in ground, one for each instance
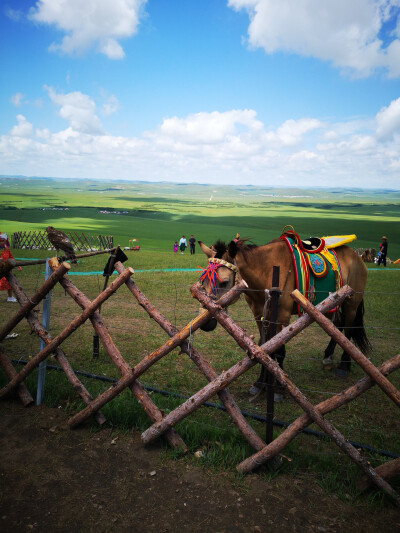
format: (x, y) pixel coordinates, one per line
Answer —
(228, 376)
(137, 389)
(200, 361)
(41, 332)
(256, 352)
(388, 388)
(328, 405)
(66, 332)
(152, 358)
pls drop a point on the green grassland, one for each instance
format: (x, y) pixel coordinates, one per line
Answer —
(158, 213)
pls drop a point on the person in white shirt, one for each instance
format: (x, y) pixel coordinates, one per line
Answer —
(182, 244)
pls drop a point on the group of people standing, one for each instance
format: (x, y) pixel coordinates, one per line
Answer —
(183, 245)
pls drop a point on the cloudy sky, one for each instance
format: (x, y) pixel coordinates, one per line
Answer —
(263, 92)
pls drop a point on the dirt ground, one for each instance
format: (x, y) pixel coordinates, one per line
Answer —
(57, 480)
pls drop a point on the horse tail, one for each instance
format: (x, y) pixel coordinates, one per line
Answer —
(358, 333)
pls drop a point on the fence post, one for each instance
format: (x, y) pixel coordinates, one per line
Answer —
(271, 332)
(45, 324)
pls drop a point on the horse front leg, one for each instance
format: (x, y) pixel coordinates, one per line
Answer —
(260, 384)
(343, 368)
(327, 361)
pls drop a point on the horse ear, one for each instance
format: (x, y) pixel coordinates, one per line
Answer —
(232, 248)
(209, 253)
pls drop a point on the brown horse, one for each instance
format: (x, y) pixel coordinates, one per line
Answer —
(255, 265)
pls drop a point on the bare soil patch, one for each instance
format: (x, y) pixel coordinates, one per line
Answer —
(57, 480)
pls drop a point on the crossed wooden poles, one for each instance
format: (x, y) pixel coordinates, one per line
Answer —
(164, 425)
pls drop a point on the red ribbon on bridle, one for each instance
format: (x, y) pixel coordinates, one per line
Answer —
(211, 274)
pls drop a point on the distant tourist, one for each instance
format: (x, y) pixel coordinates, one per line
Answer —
(5, 254)
(182, 244)
(383, 251)
(192, 242)
(175, 247)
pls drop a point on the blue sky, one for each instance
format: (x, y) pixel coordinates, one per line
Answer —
(295, 92)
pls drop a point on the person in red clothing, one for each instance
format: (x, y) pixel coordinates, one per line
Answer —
(5, 254)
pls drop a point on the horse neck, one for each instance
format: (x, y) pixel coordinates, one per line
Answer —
(255, 267)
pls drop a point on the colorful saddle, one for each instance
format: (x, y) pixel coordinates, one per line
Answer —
(316, 268)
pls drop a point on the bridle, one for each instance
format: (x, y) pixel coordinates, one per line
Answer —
(211, 273)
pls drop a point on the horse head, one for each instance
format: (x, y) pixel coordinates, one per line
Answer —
(221, 274)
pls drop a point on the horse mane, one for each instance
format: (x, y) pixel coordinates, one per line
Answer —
(220, 248)
(240, 245)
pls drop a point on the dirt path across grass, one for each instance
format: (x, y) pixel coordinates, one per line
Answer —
(53, 479)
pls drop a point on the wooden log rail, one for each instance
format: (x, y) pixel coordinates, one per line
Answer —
(325, 407)
(63, 258)
(228, 376)
(65, 333)
(41, 332)
(6, 266)
(200, 361)
(123, 367)
(34, 300)
(126, 380)
(257, 353)
(388, 388)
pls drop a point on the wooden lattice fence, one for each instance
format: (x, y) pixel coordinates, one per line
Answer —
(163, 424)
(38, 240)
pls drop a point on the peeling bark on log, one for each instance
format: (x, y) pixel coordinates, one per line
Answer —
(73, 326)
(200, 361)
(41, 332)
(149, 360)
(388, 388)
(386, 471)
(257, 352)
(35, 299)
(138, 390)
(338, 400)
(9, 370)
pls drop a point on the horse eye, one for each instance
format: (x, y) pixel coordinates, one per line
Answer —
(224, 284)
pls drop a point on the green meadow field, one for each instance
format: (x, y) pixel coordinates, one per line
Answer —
(159, 213)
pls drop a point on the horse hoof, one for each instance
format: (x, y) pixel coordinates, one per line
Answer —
(278, 397)
(253, 390)
(327, 364)
(342, 373)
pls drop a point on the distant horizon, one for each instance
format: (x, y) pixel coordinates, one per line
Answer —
(236, 187)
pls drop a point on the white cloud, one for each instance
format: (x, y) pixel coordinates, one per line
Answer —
(16, 99)
(345, 33)
(110, 105)
(22, 129)
(388, 121)
(78, 109)
(209, 128)
(222, 147)
(15, 15)
(99, 23)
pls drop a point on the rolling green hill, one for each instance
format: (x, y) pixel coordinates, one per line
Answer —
(159, 213)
